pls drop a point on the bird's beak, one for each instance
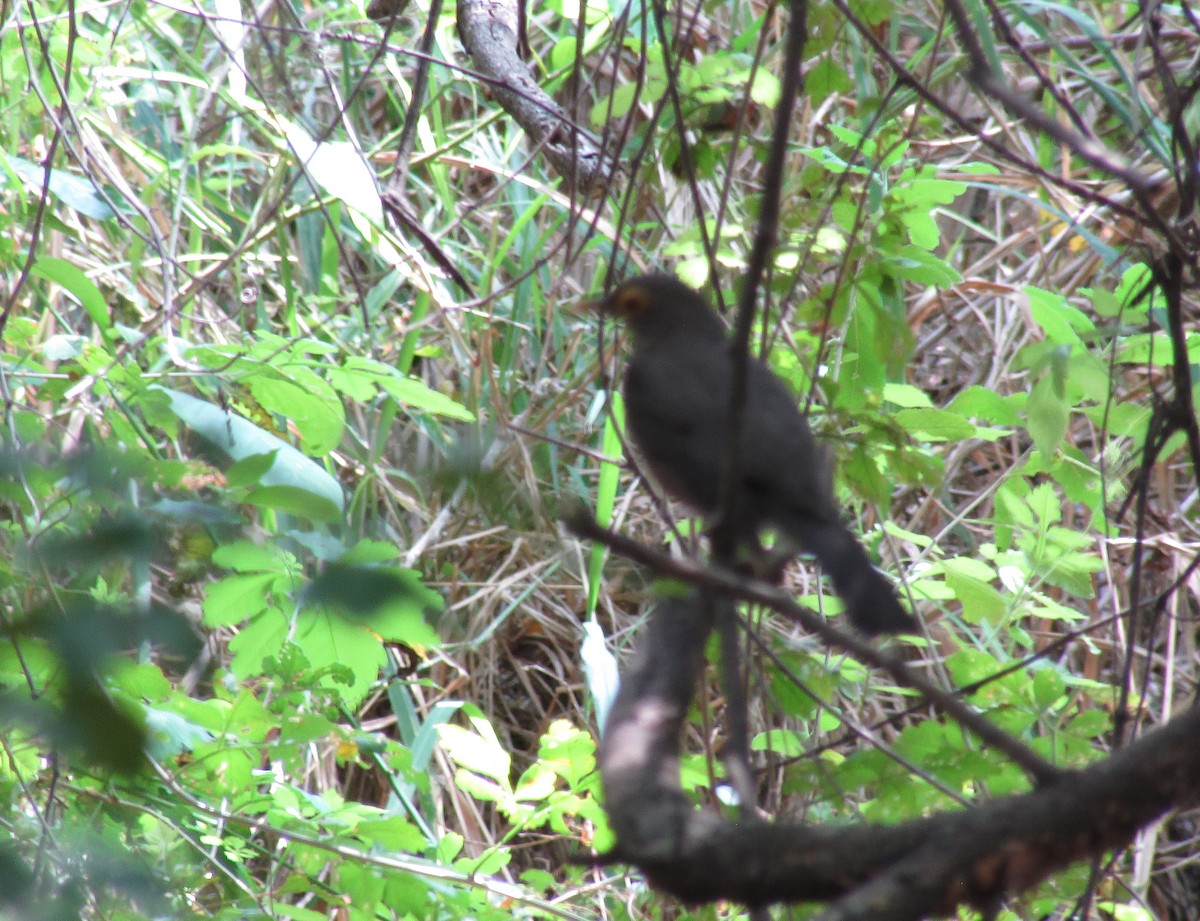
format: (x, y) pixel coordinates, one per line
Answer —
(599, 304)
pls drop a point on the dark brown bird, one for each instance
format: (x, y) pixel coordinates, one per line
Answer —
(676, 392)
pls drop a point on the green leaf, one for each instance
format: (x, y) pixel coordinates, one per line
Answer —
(784, 743)
(1123, 911)
(861, 469)
(491, 862)
(984, 403)
(928, 191)
(239, 438)
(935, 424)
(1090, 724)
(308, 401)
(907, 396)
(73, 191)
(915, 264)
(72, 280)
(606, 491)
(247, 556)
(414, 394)
(364, 591)
(403, 621)
(536, 785)
(169, 733)
(971, 582)
(328, 640)
(922, 228)
(562, 52)
(825, 78)
(1047, 414)
(449, 847)
(295, 500)
(969, 666)
(617, 106)
(475, 753)
(237, 598)
(766, 88)
(1048, 687)
(250, 469)
(299, 728)
(569, 751)
(338, 168)
(1062, 323)
(393, 834)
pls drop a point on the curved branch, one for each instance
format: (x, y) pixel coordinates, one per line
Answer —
(489, 30)
(886, 873)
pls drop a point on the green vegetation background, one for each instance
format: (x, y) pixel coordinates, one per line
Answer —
(291, 629)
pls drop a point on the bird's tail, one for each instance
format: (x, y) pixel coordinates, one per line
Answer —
(871, 602)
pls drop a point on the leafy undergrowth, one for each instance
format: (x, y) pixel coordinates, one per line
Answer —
(281, 499)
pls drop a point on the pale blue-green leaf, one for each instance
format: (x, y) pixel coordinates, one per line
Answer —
(73, 191)
(239, 438)
(64, 347)
(168, 733)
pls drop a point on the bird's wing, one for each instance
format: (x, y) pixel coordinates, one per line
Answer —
(783, 466)
(675, 409)
(676, 406)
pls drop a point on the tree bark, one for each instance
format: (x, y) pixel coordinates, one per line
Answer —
(888, 873)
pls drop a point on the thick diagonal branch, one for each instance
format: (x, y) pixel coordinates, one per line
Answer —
(489, 30)
(888, 873)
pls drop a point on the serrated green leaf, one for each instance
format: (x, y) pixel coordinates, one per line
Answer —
(308, 401)
(971, 582)
(934, 424)
(1047, 415)
(471, 751)
(237, 598)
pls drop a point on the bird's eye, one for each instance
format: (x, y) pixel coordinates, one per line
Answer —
(631, 303)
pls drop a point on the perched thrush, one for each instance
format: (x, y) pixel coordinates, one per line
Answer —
(676, 391)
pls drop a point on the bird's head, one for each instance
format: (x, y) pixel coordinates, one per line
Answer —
(657, 306)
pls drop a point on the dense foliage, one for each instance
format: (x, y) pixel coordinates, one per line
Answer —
(291, 627)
